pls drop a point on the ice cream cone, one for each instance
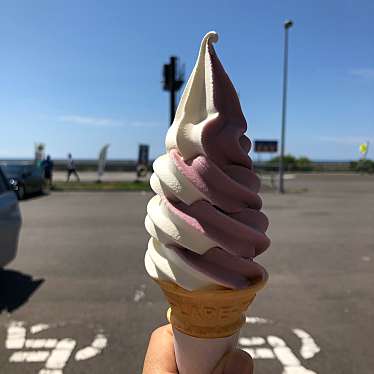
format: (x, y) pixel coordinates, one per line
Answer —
(205, 220)
(206, 323)
(208, 313)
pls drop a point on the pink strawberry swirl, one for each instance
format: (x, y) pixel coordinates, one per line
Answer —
(205, 221)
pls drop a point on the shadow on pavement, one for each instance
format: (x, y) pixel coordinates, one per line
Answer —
(15, 289)
(35, 196)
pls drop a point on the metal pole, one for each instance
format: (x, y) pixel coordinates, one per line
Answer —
(287, 25)
(172, 88)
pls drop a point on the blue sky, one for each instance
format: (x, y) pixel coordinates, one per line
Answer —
(78, 74)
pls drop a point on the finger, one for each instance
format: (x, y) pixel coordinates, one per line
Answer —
(235, 362)
(160, 356)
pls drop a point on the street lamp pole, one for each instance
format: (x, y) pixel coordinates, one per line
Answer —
(288, 24)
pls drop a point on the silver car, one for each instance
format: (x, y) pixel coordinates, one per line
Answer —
(10, 222)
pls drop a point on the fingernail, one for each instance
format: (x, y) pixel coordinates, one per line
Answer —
(238, 362)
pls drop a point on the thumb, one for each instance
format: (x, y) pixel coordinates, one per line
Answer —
(235, 362)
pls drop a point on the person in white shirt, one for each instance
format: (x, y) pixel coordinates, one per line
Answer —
(71, 168)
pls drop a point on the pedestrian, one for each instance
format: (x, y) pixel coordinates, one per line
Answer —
(160, 357)
(47, 166)
(71, 168)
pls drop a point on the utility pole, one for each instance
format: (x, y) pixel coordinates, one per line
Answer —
(288, 24)
(173, 81)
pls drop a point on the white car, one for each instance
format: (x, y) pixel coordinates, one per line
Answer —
(10, 222)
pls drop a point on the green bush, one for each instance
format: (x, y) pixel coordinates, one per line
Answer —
(304, 164)
(363, 166)
(353, 165)
(292, 163)
(289, 162)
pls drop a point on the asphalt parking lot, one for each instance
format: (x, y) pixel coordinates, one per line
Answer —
(78, 286)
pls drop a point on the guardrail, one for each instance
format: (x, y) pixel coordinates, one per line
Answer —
(315, 166)
(130, 165)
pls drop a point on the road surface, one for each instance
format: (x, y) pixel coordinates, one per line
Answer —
(78, 292)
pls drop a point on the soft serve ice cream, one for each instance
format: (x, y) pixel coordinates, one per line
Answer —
(205, 221)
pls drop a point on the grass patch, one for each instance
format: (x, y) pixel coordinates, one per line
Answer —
(103, 186)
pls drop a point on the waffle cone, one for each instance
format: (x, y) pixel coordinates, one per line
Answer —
(208, 313)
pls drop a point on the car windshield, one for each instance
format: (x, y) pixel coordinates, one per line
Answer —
(12, 170)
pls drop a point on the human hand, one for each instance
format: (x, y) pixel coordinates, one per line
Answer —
(160, 357)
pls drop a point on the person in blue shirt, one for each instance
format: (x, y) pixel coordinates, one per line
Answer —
(47, 166)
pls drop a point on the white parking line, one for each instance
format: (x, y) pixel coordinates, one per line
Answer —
(61, 354)
(309, 348)
(256, 320)
(139, 294)
(16, 336)
(31, 356)
(279, 350)
(41, 343)
(96, 347)
(291, 364)
(54, 353)
(256, 340)
(260, 353)
(38, 328)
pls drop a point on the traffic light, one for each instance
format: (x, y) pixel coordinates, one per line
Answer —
(173, 80)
